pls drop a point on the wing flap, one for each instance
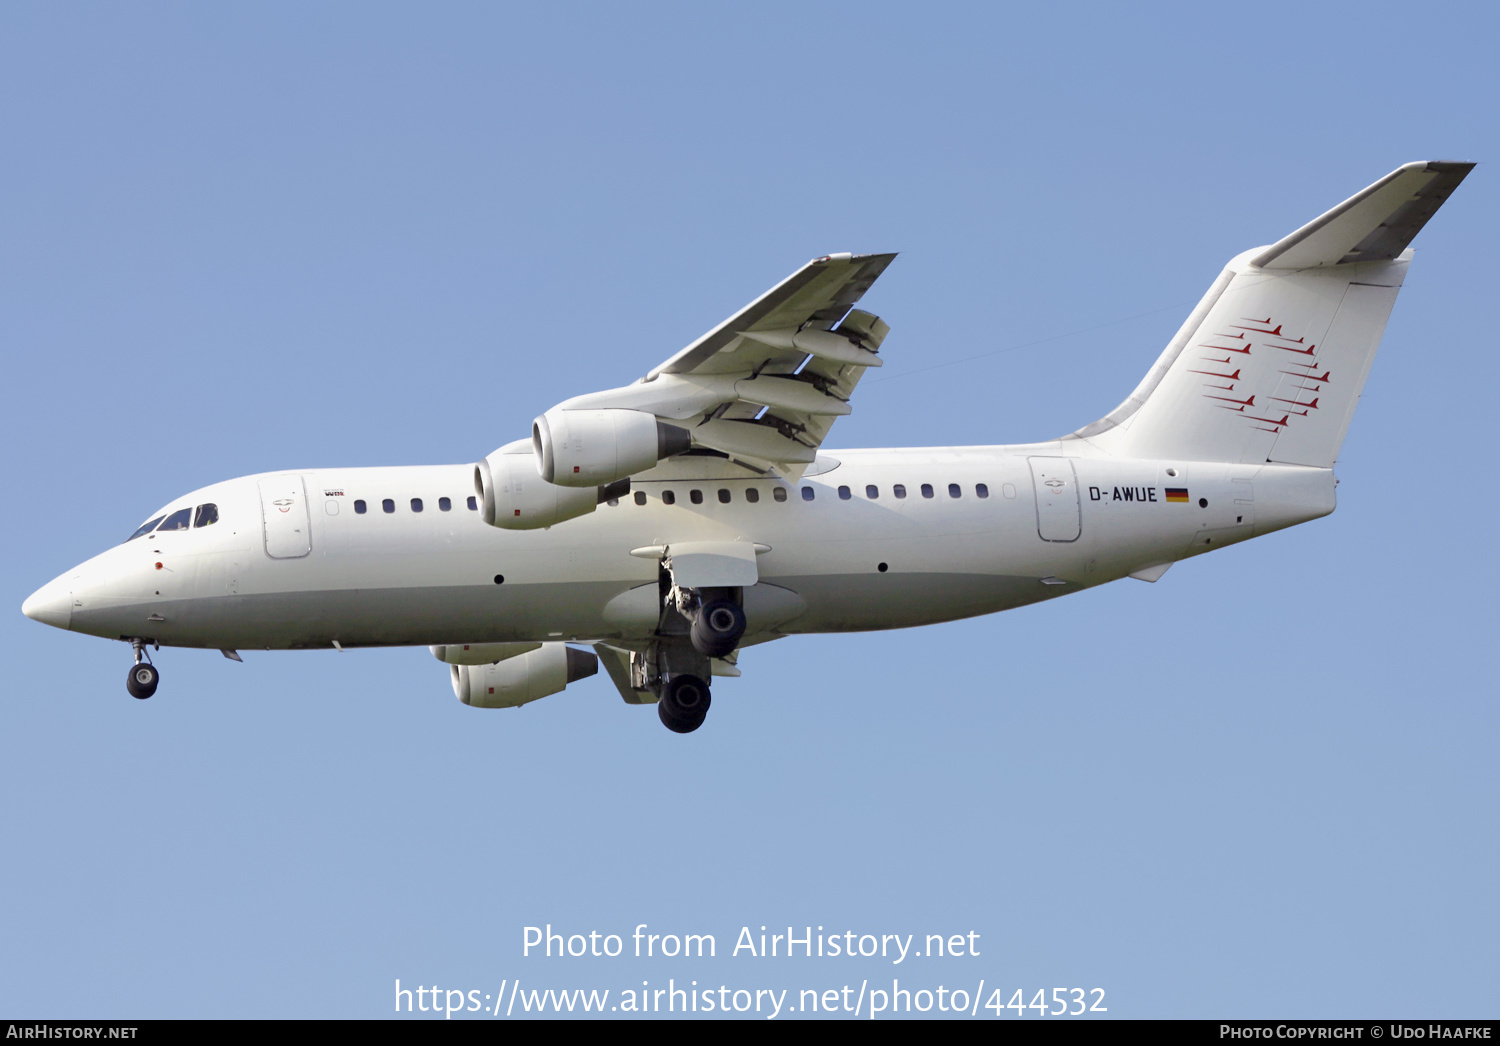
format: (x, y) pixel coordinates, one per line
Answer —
(755, 440)
(616, 661)
(764, 387)
(819, 293)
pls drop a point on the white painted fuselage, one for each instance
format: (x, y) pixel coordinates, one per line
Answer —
(978, 530)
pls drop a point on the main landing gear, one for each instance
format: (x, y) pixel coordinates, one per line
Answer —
(717, 627)
(695, 626)
(143, 677)
(683, 704)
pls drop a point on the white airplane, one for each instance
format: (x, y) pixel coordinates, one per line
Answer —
(667, 524)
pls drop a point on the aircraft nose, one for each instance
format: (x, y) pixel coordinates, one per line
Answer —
(52, 604)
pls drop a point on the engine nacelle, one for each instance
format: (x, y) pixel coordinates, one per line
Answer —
(524, 678)
(587, 448)
(480, 653)
(514, 497)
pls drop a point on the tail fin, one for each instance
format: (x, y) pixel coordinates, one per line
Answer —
(1270, 364)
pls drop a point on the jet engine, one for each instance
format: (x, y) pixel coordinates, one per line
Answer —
(514, 497)
(586, 448)
(523, 678)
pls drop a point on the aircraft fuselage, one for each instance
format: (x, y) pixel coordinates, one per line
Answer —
(978, 530)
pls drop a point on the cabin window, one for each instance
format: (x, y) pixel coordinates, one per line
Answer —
(416, 504)
(207, 515)
(778, 493)
(146, 528)
(359, 507)
(668, 498)
(872, 492)
(723, 496)
(927, 490)
(177, 520)
(955, 491)
(752, 495)
(807, 493)
(445, 504)
(473, 504)
(640, 497)
(695, 496)
(844, 494)
(982, 490)
(388, 505)
(899, 490)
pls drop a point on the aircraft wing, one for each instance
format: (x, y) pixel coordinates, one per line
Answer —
(764, 387)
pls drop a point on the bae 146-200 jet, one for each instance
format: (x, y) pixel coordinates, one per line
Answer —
(661, 527)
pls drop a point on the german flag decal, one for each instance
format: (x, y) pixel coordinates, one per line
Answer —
(1177, 494)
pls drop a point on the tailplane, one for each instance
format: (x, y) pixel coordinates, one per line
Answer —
(1270, 364)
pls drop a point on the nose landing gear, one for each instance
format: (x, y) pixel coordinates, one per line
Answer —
(143, 677)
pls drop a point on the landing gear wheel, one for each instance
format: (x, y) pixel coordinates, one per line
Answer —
(717, 628)
(142, 681)
(683, 704)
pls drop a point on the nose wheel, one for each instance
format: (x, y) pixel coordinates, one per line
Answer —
(142, 680)
(143, 677)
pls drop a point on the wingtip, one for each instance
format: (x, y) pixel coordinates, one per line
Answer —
(1439, 166)
(850, 256)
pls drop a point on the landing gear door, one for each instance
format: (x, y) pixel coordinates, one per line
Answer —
(713, 564)
(283, 506)
(1058, 510)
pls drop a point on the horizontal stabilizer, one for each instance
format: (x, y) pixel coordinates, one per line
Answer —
(1374, 225)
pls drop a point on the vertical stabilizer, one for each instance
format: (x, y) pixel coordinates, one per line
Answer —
(1270, 365)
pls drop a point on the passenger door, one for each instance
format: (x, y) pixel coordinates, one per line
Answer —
(1058, 513)
(283, 506)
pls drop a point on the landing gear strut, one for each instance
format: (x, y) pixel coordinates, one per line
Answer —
(694, 626)
(143, 677)
(678, 676)
(716, 624)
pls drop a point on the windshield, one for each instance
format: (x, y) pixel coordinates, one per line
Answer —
(177, 520)
(146, 528)
(204, 516)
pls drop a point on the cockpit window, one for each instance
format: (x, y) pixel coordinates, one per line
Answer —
(177, 520)
(146, 528)
(180, 520)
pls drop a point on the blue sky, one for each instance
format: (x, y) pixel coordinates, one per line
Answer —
(238, 239)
